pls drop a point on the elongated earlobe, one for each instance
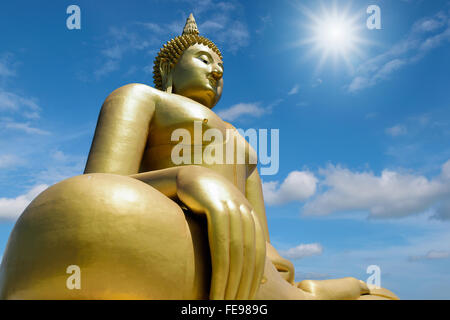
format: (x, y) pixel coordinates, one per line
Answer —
(169, 84)
(166, 75)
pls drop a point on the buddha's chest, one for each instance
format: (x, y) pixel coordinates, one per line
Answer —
(196, 134)
(177, 116)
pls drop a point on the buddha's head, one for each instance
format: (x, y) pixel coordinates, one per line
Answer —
(190, 65)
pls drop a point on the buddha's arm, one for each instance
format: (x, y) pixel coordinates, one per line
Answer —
(236, 239)
(254, 194)
(122, 131)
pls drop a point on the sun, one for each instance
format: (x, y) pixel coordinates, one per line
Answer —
(334, 34)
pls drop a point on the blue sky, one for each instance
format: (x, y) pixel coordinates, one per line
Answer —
(364, 173)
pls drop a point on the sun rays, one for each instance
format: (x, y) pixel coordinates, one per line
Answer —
(333, 34)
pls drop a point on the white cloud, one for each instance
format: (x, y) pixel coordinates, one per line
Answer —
(5, 70)
(317, 83)
(153, 27)
(224, 26)
(25, 127)
(429, 24)
(302, 251)
(10, 101)
(294, 90)
(426, 34)
(7, 65)
(359, 83)
(390, 195)
(298, 186)
(397, 130)
(59, 156)
(446, 170)
(241, 109)
(388, 68)
(226, 32)
(114, 52)
(431, 255)
(24, 107)
(11, 208)
(253, 109)
(371, 115)
(9, 160)
(62, 167)
(236, 37)
(265, 21)
(106, 68)
(211, 26)
(121, 41)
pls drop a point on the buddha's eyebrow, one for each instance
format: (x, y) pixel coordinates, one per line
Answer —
(205, 53)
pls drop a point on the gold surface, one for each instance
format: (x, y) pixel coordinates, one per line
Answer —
(141, 227)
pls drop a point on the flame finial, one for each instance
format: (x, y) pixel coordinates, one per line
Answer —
(191, 26)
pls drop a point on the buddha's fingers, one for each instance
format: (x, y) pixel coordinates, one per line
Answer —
(260, 259)
(236, 249)
(219, 242)
(249, 254)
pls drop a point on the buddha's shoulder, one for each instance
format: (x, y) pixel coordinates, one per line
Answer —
(229, 125)
(136, 90)
(164, 102)
(143, 91)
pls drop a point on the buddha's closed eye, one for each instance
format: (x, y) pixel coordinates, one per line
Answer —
(204, 59)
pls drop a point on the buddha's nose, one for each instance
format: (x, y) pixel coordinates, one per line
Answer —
(217, 75)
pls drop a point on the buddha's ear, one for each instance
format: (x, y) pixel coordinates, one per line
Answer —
(166, 74)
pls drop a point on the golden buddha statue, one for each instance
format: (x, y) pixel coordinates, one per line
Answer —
(139, 226)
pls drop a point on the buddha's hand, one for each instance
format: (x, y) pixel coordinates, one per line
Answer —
(235, 236)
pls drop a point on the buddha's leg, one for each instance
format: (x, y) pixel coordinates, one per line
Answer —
(128, 239)
(275, 287)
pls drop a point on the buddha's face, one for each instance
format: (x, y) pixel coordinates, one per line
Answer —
(198, 75)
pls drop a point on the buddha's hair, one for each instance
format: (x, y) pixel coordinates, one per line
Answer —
(173, 49)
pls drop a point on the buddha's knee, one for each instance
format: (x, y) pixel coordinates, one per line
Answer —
(128, 240)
